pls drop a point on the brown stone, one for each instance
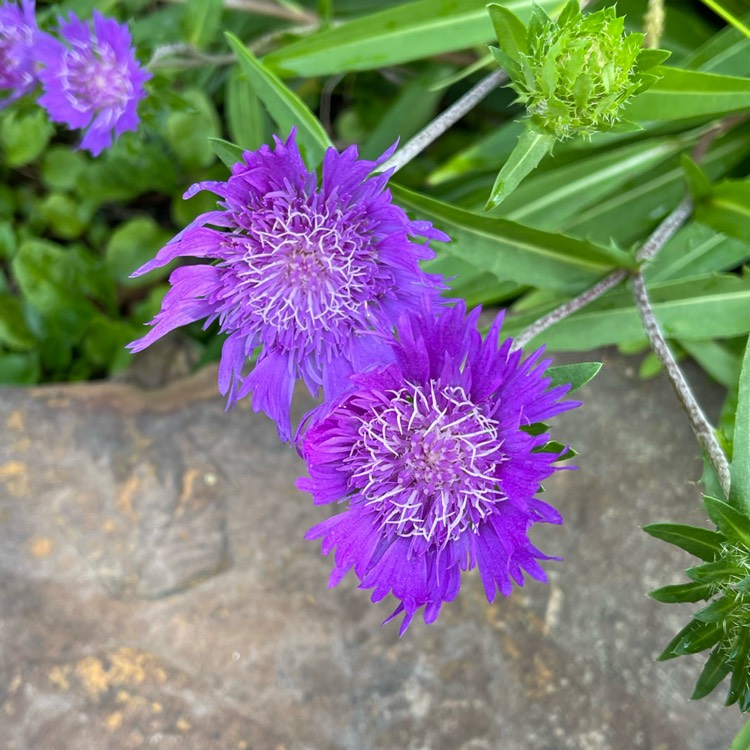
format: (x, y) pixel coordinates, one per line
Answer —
(157, 591)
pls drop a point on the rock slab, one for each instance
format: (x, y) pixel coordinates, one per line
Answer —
(157, 591)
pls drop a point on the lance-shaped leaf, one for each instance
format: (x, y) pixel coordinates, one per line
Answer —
(681, 94)
(576, 375)
(718, 572)
(734, 525)
(531, 148)
(514, 252)
(683, 592)
(739, 495)
(715, 670)
(702, 543)
(229, 153)
(396, 35)
(739, 687)
(726, 208)
(696, 636)
(284, 106)
(718, 610)
(742, 740)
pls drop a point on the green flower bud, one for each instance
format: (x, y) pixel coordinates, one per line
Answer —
(573, 75)
(723, 580)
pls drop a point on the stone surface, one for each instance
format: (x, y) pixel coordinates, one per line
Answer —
(156, 591)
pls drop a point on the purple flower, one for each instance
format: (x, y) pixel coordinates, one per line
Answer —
(434, 460)
(92, 79)
(17, 31)
(304, 274)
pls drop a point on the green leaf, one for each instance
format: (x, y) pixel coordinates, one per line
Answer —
(576, 375)
(696, 636)
(742, 740)
(698, 182)
(715, 670)
(510, 32)
(682, 94)
(202, 21)
(650, 58)
(739, 494)
(512, 251)
(695, 250)
(24, 136)
(131, 245)
(732, 523)
(413, 108)
(683, 592)
(246, 120)
(66, 217)
(702, 543)
(19, 369)
(61, 168)
(284, 106)
(558, 193)
(717, 611)
(188, 131)
(726, 208)
(739, 689)
(104, 343)
(716, 359)
(229, 153)
(14, 330)
(411, 31)
(531, 148)
(716, 572)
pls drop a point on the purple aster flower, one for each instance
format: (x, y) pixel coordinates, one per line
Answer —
(17, 30)
(432, 456)
(301, 273)
(92, 80)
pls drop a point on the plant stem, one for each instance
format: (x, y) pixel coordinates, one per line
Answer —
(562, 312)
(656, 241)
(654, 23)
(701, 426)
(444, 121)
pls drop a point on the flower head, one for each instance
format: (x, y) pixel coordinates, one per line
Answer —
(303, 273)
(17, 30)
(433, 456)
(91, 79)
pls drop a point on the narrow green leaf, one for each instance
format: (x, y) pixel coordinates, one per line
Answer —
(739, 686)
(553, 196)
(202, 21)
(698, 182)
(246, 119)
(715, 670)
(512, 251)
(695, 250)
(716, 359)
(742, 740)
(702, 543)
(682, 94)
(14, 330)
(739, 494)
(650, 58)
(718, 571)
(411, 31)
(726, 208)
(509, 30)
(531, 148)
(716, 611)
(732, 523)
(682, 592)
(696, 636)
(284, 106)
(229, 153)
(576, 375)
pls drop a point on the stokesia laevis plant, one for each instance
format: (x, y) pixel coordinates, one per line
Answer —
(438, 457)
(302, 272)
(91, 79)
(17, 30)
